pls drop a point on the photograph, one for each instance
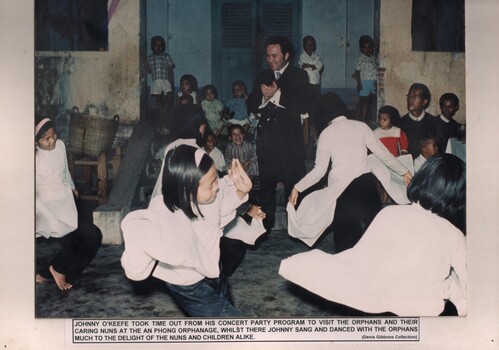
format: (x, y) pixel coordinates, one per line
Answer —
(281, 172)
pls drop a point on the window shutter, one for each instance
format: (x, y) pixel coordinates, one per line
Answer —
(236, 25)
(277, 18)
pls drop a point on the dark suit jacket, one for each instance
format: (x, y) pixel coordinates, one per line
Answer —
(445, 131)
(280, 129)
(417, 131)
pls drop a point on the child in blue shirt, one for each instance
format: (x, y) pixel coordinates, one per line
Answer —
(236, 110)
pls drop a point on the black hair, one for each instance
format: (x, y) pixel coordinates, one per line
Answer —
(235, 126)
(181, 178)
(425, 92)
(365, 39)
(239, 83)
(392, 112)
(326, 108)
(284, 42)
(186, 98)
(161, 40)
(449, 96)
(207, 134)
(193, 82)
(212, 88)
(440, 186)
(44, 128)
(426, 141)
(186, 121)
(311, 38)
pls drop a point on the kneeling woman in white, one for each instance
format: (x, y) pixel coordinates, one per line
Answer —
(351, 200)
(410, 261)
(57, 217)
(178, 237)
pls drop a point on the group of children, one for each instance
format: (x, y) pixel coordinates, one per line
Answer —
(218, 115)
(419, 133)
(179, 237)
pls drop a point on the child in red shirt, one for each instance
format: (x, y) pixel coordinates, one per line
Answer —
(394, 139)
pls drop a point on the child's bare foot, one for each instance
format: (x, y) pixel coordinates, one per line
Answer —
(60, 279)
(39, 278)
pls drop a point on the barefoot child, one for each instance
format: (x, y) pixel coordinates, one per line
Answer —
(56, 215)
(366, 74)
(177, 238)
(160, 66)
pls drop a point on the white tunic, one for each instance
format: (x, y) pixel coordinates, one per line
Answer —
(314, 75)
(345, 143)
(187, 250)
(408, 261)
(56, 213)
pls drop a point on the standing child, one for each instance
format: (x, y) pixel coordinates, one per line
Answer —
(177, 238)
(160, 66)
(189, 86)
(366, 74)
(57, 217)
(236, 108)
(312, 64)
(212, 109)
(391, 136)
(214, 152)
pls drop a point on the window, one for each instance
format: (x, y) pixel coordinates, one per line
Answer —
(71, 25)
(438, 25)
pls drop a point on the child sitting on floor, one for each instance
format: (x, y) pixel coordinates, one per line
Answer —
(429, 148)
(212, 150)
(240, 149)
(189, 86)
(236, 110)
(392, 137)
(57, 217)
(212, 109)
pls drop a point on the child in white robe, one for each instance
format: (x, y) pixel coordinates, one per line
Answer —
(56, 214)
(411, 261)
(177, 238)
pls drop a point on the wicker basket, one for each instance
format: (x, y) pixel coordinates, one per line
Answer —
(89, 135)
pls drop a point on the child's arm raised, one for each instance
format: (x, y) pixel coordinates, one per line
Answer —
(240, 178)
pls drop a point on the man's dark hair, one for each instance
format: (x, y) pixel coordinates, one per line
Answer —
(449, 96)
(284, 42)
(425, 92)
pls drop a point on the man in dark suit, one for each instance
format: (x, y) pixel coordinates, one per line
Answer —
(279, 96)
(446, 127)
(418, 124)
